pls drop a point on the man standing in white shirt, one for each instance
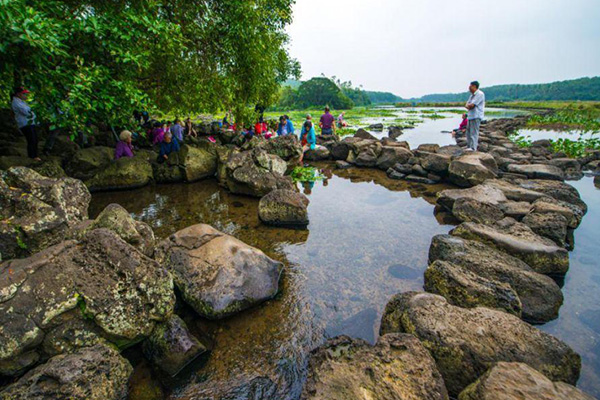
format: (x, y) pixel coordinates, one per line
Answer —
(475, 110)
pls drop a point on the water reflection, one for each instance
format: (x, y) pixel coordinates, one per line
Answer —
(579, 320)
(367, 240)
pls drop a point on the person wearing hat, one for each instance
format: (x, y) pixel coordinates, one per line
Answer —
(25, 119)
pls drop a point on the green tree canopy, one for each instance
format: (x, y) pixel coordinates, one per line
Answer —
(101, 59)
(316, 92)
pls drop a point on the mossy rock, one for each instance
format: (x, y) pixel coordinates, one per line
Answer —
(124, 173)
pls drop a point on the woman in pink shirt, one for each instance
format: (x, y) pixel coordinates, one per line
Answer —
(158, 133)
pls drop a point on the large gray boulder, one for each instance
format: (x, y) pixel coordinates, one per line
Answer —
(100, 282)
(471, 169)
(284, 208)
(90, 373)
(518, 381)
(86, 163)
(466, 342)
(554, 226)
(200, 162)
(217, 274)
(398, 367)
(517, 239)
(37, 211)
(124, 173)
(556, 189)
(467, 209)
(392, 155)
(539, 295)
(256, 173)
(437, 163)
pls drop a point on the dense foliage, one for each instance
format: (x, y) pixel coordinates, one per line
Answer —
(320, 92)
(98, 60)
(578, 89)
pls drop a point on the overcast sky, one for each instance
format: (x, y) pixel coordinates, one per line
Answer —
(416, 47)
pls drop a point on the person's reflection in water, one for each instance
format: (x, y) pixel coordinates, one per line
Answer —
(327, 175)
(308, 186)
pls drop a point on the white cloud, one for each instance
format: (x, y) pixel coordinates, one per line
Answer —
(432, 46)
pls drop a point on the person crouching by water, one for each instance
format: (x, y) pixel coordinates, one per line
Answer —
(308, 138)
(169, 147)
(462, 128)
(25, 119)
(124, 147)
(475, 106)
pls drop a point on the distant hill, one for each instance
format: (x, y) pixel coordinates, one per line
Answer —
(383, 97)
(577, 89)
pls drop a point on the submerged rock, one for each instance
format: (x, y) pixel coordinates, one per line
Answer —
(398, 367)
(284, 208)
(37, 211)
(217, 274)
(466, 342)
(517, 239)
(539, 295)
(91, 373)
(518, 381)
(171, 346)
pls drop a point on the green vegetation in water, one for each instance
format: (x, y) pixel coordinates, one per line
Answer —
(433, 116)
(521, 140)
(306, 174)
(585, 119)
(575, 148)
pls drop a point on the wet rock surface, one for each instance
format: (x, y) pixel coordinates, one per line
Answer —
(518, 381)
(99, 278)
(466, 342)
(217, 274)
(284, 208)
(91, 373)
(346, 368)
(37, 211)
(539, 295)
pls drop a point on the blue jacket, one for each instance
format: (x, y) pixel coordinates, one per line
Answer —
(290, 128)
(168, 148)
(311, 136)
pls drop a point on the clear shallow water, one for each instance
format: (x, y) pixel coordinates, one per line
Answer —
(367, 240)
(429, 130)
(579, 320)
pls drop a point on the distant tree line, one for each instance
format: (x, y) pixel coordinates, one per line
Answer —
(322, 91)
(577, 89)
(95, 60)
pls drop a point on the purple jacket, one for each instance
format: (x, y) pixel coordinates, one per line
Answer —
(123, 149)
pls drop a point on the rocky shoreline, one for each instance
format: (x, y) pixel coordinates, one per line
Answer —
(76, 291)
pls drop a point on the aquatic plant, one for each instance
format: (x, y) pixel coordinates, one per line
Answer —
(306, 174)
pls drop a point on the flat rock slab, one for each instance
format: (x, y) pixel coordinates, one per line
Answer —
(556, 189)
(537, 171)
(481, 193)
(517, 239)
(466, 342)
(471, 169)
(217, 274)
(539, 294)
(398, 367)
(91, 373)
(518, 381)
